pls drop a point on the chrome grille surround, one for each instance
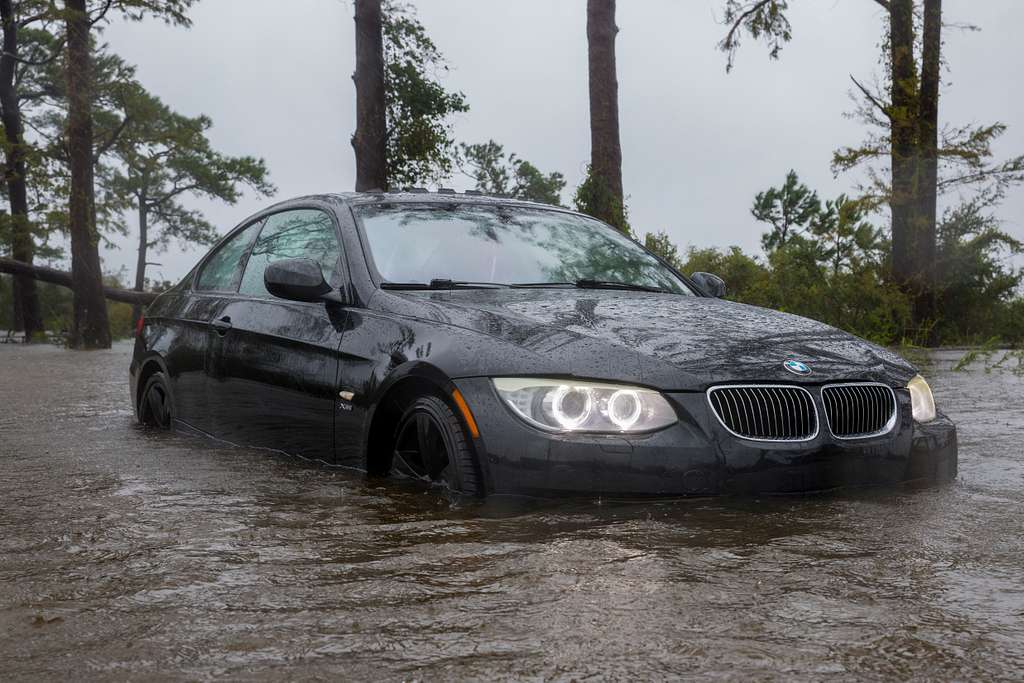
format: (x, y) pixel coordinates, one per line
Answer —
(780, 413)
(859, 410)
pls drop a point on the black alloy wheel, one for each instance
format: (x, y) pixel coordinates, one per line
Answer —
(431, 446)
(155, 408)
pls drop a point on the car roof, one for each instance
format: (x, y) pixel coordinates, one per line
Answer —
(423, 196)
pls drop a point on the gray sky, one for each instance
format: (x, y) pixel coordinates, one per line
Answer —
(697, 144)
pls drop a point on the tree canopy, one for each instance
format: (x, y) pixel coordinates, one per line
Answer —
(498, 174)
(421, 146)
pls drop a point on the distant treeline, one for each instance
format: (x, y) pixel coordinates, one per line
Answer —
(825, 260)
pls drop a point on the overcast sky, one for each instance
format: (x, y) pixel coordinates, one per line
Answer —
(697, 144)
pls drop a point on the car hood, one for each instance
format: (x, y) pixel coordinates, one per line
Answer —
(663, 340)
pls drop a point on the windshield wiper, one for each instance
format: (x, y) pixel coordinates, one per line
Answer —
(442, 283)
(587, 283)
(531, 285)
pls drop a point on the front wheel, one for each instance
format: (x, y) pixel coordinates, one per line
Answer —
(431, 445)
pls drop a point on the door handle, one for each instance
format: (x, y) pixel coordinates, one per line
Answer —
(222, 325)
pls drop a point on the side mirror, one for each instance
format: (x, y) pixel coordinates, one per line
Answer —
(712, 284)
(296, 279)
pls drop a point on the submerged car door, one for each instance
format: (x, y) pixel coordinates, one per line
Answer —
(189, 354)
(274, 372)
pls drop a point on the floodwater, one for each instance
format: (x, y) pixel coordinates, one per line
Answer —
(126, 553)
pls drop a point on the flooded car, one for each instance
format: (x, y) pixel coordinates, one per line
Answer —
(492, 346)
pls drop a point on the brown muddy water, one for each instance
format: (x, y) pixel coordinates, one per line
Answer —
(129, 554)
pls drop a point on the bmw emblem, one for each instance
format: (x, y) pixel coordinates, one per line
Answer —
(796, 367)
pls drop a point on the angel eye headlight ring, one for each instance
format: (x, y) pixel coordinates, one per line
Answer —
(561, 405)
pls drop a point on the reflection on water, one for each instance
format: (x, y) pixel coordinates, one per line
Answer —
(126, 553)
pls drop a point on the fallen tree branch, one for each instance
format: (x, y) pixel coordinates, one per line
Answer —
(62, 278)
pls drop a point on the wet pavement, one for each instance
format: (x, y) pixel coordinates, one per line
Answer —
(126, 553)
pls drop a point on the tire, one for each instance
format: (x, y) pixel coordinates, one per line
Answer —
(155, 406)
(431, 446)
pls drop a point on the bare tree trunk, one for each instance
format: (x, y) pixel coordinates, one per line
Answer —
(27, 314)
(605, 148)
(370, 139)
(904, 117)
(91, 328)
(64, 279)
(140, 264)
(925, 228)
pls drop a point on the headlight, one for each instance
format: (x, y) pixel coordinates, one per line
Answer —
(570, 406)
(921, 401)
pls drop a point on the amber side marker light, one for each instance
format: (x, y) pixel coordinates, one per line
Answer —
(466, 414)
(139, 325)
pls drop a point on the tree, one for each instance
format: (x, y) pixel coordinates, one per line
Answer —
(601, 194)
(977, 282)
(370, 139)
(836, 231)
(661, 244)
(845, 239)
(90, 326)
(27, 314)
(495, 174)
(420, 146)
(923, 160)
(912, 258)
(789, 210)
(164, 157)
(403, 134)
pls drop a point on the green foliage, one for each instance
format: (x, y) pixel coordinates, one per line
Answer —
(836, 270)
(495, 174)
(764, 20)
(44, 99)
(661, 244)
(967, 163)
(162, 157)
(421, 147)
(795, 280)
(993, 358)
(845, 238)
(978, 290)
(172, 12)
(594, 198)
(838, 228)
(746, 278)
(790, 210)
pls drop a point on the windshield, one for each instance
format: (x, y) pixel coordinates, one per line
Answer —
(505, 245)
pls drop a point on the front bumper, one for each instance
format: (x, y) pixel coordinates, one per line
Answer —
(697, 456)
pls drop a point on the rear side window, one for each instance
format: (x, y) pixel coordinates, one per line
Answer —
(223, 270)
(303, 233)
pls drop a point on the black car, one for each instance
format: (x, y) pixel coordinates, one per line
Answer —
(497, 346)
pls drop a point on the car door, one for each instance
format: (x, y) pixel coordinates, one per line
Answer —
(188, 356)
(274, 369)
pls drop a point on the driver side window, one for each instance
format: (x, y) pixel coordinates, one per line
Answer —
(300, 233)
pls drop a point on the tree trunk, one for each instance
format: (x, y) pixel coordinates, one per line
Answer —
(91, 329)
(370, 139)
(27, 314)
(926, 211)
(64, 279)
(904, 115)
(605, 149)
(140, 265)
